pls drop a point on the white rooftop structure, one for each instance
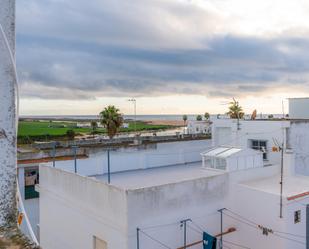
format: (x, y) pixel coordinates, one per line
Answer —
(232, 158)
(298, 108)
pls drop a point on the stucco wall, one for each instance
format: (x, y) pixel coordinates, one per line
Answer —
(163, 154)
(261, 208)
(299, 142)
(197, 199)
(249, 130)
(73, 209)
(7, 115)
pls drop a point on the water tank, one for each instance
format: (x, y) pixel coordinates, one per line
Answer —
(299, 108)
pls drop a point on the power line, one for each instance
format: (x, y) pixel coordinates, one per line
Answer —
(295, 235)
(232, 243)
(156, 240)
(160, 225)
(235, 244)
(275, 233)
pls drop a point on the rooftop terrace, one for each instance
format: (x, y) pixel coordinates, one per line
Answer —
(145, 178)
(293, 186)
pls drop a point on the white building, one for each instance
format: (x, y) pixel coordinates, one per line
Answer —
(146, 203)
(255, 134)
(298, 108)
(156, 200)
(198, 127)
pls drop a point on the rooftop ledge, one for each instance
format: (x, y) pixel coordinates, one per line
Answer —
(152, 177)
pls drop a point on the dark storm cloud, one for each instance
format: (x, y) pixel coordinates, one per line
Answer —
(117, 60)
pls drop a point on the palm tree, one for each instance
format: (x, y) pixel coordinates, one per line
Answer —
(206, 115)
(111, 119)
(94, 126)
(199, 118)
(235, 110)
(184, 118)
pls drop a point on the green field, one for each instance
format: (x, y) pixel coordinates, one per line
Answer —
(29, 131)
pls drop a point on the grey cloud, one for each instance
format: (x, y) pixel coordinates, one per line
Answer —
(100, 48)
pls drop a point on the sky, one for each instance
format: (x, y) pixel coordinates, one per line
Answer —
(173, 56)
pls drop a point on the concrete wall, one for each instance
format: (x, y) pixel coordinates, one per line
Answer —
(298, 108)
(197, 199)
(73, 209)
(163, 154)
(261, 208)
(7, 114)
(299, 142)
(225, 132)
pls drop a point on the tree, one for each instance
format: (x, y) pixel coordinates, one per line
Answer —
(94, 126)
(206, 115)
(70, 134)
(111, 119)
(184, 118)
(199, 118)
(235, 110)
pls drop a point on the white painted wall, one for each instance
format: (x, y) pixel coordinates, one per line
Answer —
(164, 154)
(197, 199)
(198, 127)
(298, 108)
(85, 207)
(74, 208)
(225, 132)
(299, 142)
(7, 115)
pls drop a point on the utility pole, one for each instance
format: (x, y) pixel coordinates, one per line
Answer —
(54, 154)
(137, 238)
(75, 157)
(8, 112)
(134, 102)
(108, 167)
(221, 227)
(281, 180)
(183, 224)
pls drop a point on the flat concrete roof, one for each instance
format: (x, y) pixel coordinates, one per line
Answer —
(292, 185)
(145, 178)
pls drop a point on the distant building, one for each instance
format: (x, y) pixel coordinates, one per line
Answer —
(198, 127)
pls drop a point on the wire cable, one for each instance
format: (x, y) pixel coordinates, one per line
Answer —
(160, 225)
(157, 241)
(254, 223)
(275, 233)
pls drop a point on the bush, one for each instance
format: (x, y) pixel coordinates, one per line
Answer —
(70, 134)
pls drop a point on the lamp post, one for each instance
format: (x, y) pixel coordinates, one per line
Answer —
(134, 102)
(74, 147)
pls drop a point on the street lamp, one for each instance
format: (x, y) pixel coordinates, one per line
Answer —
(134, 102)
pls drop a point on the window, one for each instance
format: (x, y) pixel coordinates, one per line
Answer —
(260, 145)
(98, 243)
(297, 216)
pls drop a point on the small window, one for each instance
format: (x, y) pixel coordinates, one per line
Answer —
(98, 243)
(261, 146)
(297, 216)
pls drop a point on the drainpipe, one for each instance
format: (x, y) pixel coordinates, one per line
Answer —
(7, 114)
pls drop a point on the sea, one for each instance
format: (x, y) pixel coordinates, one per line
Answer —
(172, 117)
(95, 117)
